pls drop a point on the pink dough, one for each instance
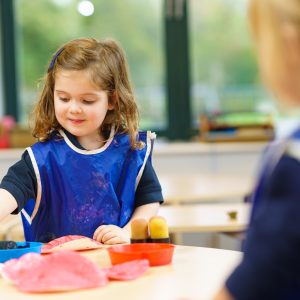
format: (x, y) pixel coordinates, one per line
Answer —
(60, 271)
(71, 242)
(128, 270)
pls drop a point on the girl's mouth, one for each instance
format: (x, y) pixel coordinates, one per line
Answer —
(76, 121)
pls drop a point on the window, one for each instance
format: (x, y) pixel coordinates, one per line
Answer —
(224, 74)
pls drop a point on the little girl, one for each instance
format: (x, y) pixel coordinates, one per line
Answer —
(90, 173)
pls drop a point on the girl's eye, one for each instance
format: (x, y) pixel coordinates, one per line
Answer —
(88, 101)
(63, 99)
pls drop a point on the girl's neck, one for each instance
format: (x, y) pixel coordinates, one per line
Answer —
(91, 144)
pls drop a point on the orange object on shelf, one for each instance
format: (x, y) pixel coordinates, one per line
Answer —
(158, 254)
(243, 126)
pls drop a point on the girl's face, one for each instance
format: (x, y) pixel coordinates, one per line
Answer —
(80, 106)
(278, 44)
(280, 65)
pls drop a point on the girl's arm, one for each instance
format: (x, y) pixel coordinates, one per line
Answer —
(7, 203)
(143, 212)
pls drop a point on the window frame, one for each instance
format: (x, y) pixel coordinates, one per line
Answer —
(8, 60)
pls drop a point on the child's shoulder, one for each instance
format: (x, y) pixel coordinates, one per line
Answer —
(147, 133)
(292, 147)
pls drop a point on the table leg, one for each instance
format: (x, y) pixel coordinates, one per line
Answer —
(176, 238)
(215, 240)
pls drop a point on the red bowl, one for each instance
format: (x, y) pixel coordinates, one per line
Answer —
(157, 254)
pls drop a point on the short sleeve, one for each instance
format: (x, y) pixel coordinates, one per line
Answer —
(148, 189)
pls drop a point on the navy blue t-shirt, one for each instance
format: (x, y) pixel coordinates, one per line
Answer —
(20, 181)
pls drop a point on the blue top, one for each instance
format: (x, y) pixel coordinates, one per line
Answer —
(270, 268)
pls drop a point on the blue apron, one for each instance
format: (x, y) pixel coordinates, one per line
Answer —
(79, 190)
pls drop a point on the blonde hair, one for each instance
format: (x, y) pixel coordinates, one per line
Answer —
(107, 66)
(268, 19)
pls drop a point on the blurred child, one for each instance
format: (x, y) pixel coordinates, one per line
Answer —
(90, 173)
(270, 268)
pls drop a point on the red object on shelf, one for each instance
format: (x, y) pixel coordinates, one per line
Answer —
(7, 123)
(4, 139)
(158, 254)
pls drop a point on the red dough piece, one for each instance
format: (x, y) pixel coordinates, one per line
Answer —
(60, 271)
(71, 242)
(128, 270)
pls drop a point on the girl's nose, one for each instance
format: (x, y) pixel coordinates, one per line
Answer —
(75, 107)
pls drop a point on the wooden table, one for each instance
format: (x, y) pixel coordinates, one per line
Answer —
(11, 228)
(196, 273)
(200, 188)
(205, 217)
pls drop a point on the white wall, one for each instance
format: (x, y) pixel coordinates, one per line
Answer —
(241, 159)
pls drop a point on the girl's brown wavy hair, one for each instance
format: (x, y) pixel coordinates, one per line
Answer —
(107, 66)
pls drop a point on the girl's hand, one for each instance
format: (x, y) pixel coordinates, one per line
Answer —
(111, 234)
